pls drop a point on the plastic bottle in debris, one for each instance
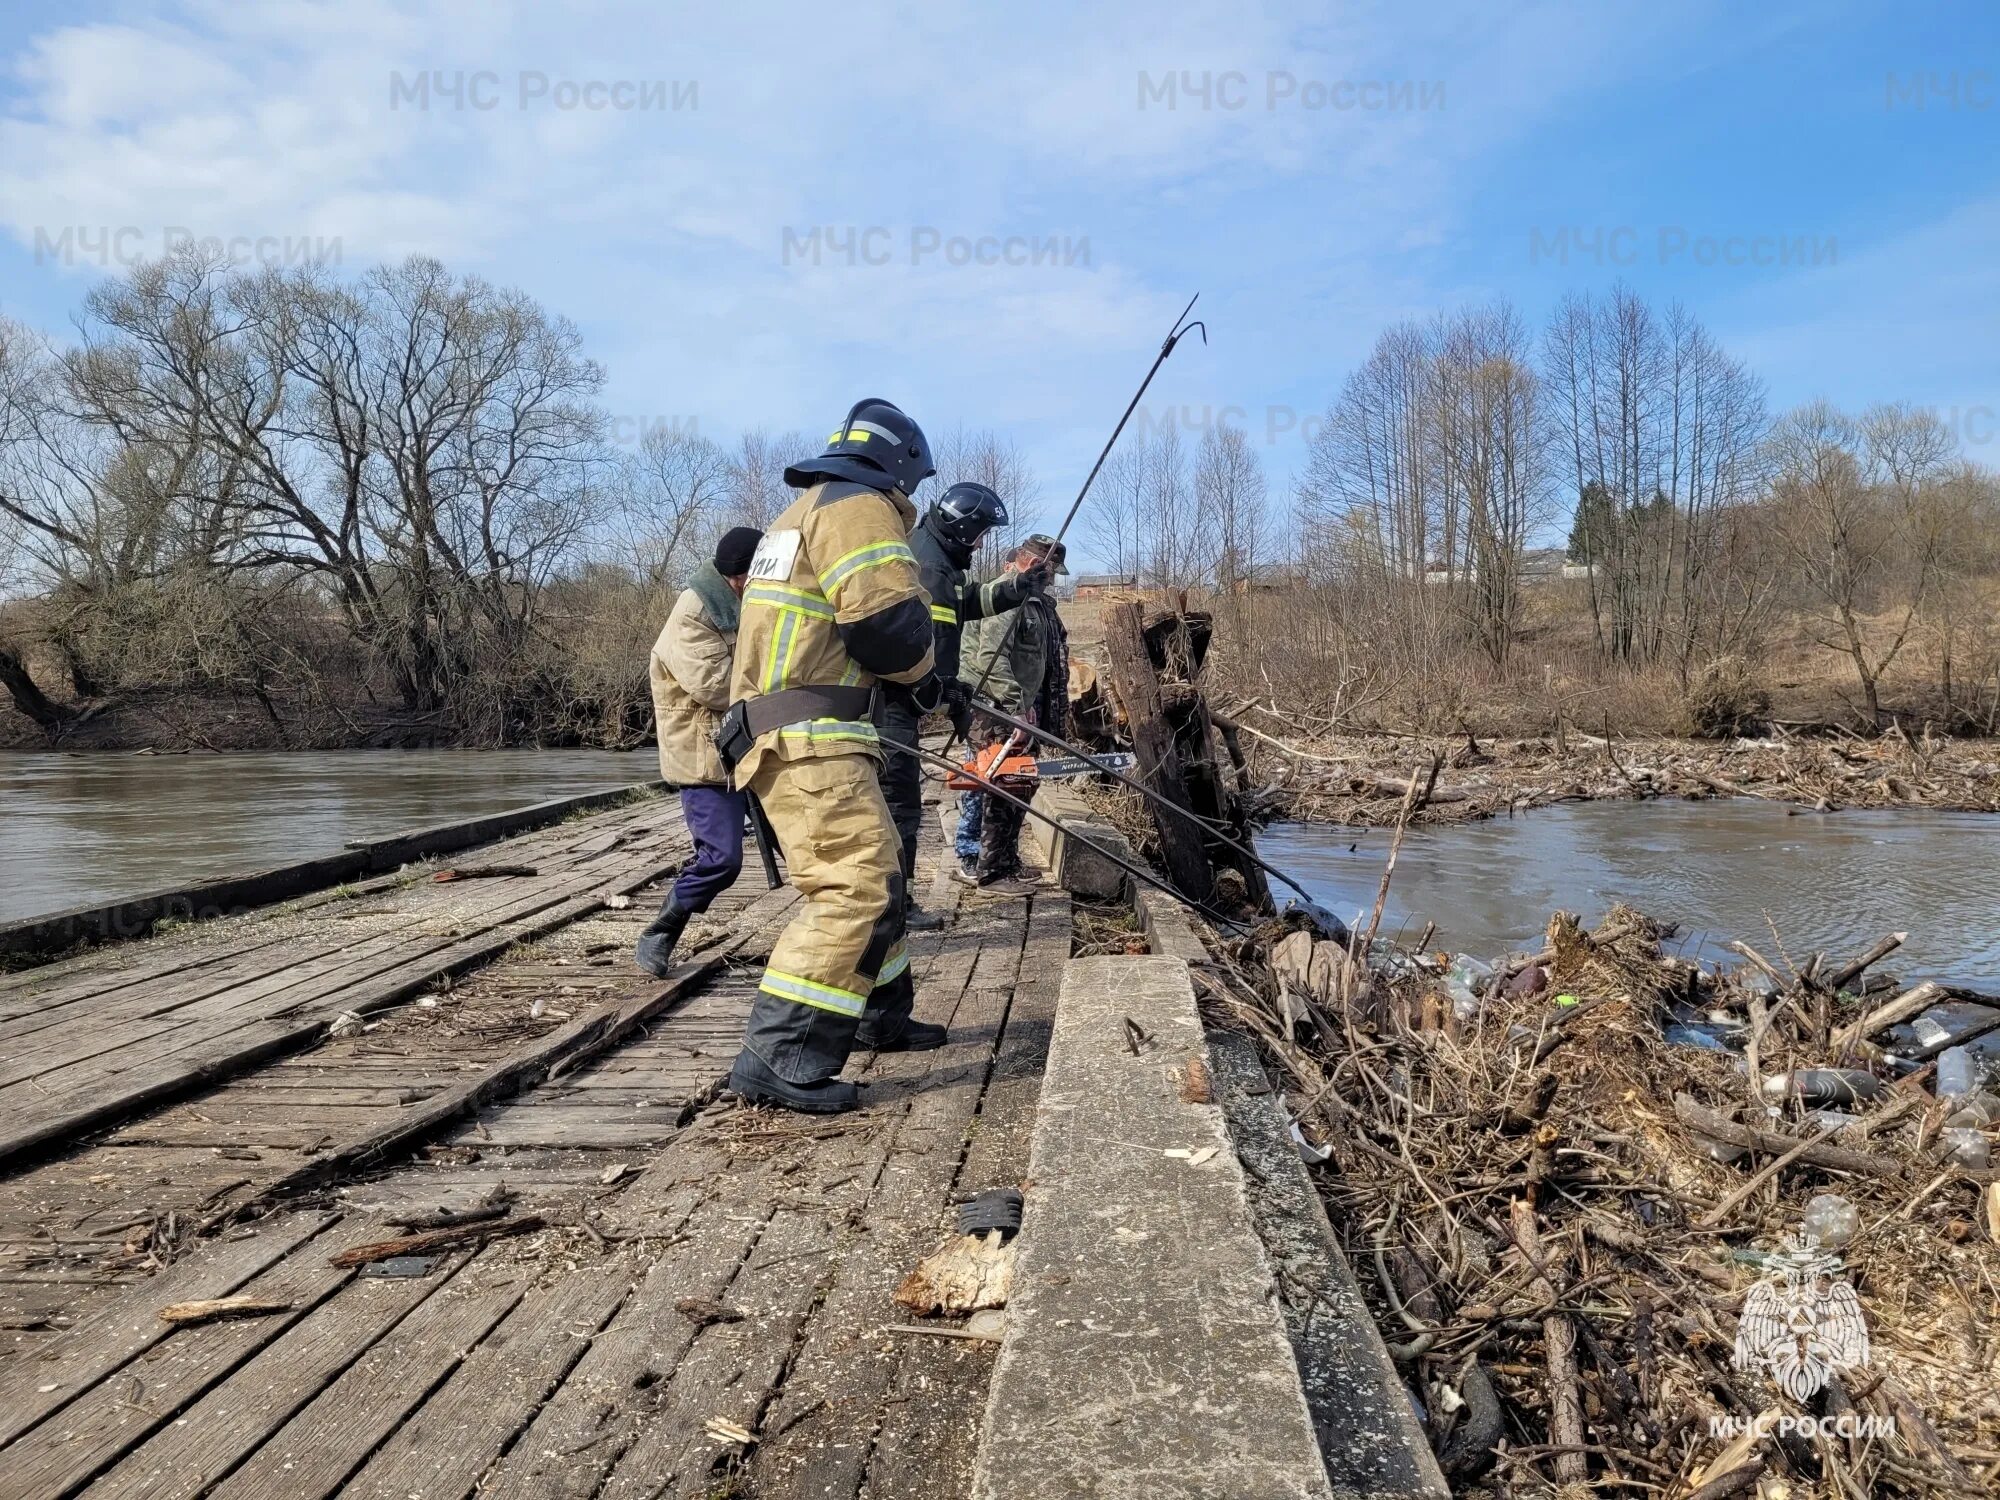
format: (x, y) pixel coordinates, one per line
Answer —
(1469, 971)
(1957, 1073)
(1978, 1110)
(1832, 1220)
(1464, 1003)
(1967, 1148)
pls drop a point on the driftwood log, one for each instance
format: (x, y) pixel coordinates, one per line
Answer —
(1720, 1127)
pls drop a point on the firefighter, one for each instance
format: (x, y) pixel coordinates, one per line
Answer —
(689, 668)
(943, 543)
(1023, 657)
(833, 608)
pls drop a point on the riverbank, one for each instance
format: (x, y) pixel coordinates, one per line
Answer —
(1363, 780)
(174, 720)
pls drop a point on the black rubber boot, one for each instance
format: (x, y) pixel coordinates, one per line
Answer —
(916, 919)
(758, 1083)
(916, 1036)
(656, 944)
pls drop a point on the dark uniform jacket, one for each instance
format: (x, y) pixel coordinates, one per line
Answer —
(955, 598)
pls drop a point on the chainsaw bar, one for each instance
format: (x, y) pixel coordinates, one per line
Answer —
(1084, 765)
(1020, 772)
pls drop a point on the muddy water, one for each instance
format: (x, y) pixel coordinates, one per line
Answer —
(78, 829)
(1719, 869)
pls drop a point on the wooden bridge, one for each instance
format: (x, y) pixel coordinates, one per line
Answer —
(270, 1090)
(481, 1224)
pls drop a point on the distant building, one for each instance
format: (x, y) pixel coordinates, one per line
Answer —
(1096, 585)
(1270, 578)
(1542, 564)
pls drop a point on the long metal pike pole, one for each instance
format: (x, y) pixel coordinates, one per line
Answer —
(1181, 326)
(1206, 825)
(993, 789)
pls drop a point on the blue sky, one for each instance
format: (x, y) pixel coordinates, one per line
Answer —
(1351, 165)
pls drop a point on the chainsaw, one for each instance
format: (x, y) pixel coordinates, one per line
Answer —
(1007, 763)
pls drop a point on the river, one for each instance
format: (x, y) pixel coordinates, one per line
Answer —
(1721, 869)
(77, 829)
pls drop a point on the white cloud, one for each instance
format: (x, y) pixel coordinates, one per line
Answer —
(662, 231)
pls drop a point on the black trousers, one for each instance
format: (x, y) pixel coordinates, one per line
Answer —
(902, 780)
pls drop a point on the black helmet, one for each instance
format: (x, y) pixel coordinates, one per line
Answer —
(876, 445)
(965, 513)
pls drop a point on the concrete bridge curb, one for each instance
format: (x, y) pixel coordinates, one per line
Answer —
(1147, 1353)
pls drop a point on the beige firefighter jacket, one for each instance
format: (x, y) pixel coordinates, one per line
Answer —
(689, 670)
(833, 601)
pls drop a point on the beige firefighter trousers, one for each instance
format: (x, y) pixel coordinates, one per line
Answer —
(844, 856)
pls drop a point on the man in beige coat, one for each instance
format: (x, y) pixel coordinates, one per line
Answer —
(690, 669)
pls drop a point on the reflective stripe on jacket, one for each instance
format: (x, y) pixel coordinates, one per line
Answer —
(955, 598)
(833, 600)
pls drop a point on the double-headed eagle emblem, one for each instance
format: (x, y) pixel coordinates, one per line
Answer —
(1801, 1323)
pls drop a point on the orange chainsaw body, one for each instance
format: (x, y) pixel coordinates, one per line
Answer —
(1003, 763)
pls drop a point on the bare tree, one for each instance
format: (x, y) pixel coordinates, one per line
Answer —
(1962, 511)
(1490, 479)
(674, 494)
(1856, 504)
(1659, 430)
(1115, 518)
(757, 488)
(979, 456)
(1229, 490)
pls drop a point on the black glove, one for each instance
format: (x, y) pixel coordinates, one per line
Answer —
(1015, 589)
(958, 706)
(925, 695)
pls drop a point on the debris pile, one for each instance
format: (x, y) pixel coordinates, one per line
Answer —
(1362, 778)
(1637, 1225)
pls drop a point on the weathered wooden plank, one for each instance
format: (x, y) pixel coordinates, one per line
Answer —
(547, 1127)
(86, 1437)
(238, 1417)
(315, 1452)
(997, 1155)
(104, 1341)
(255, 1127)
(452, 1439)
